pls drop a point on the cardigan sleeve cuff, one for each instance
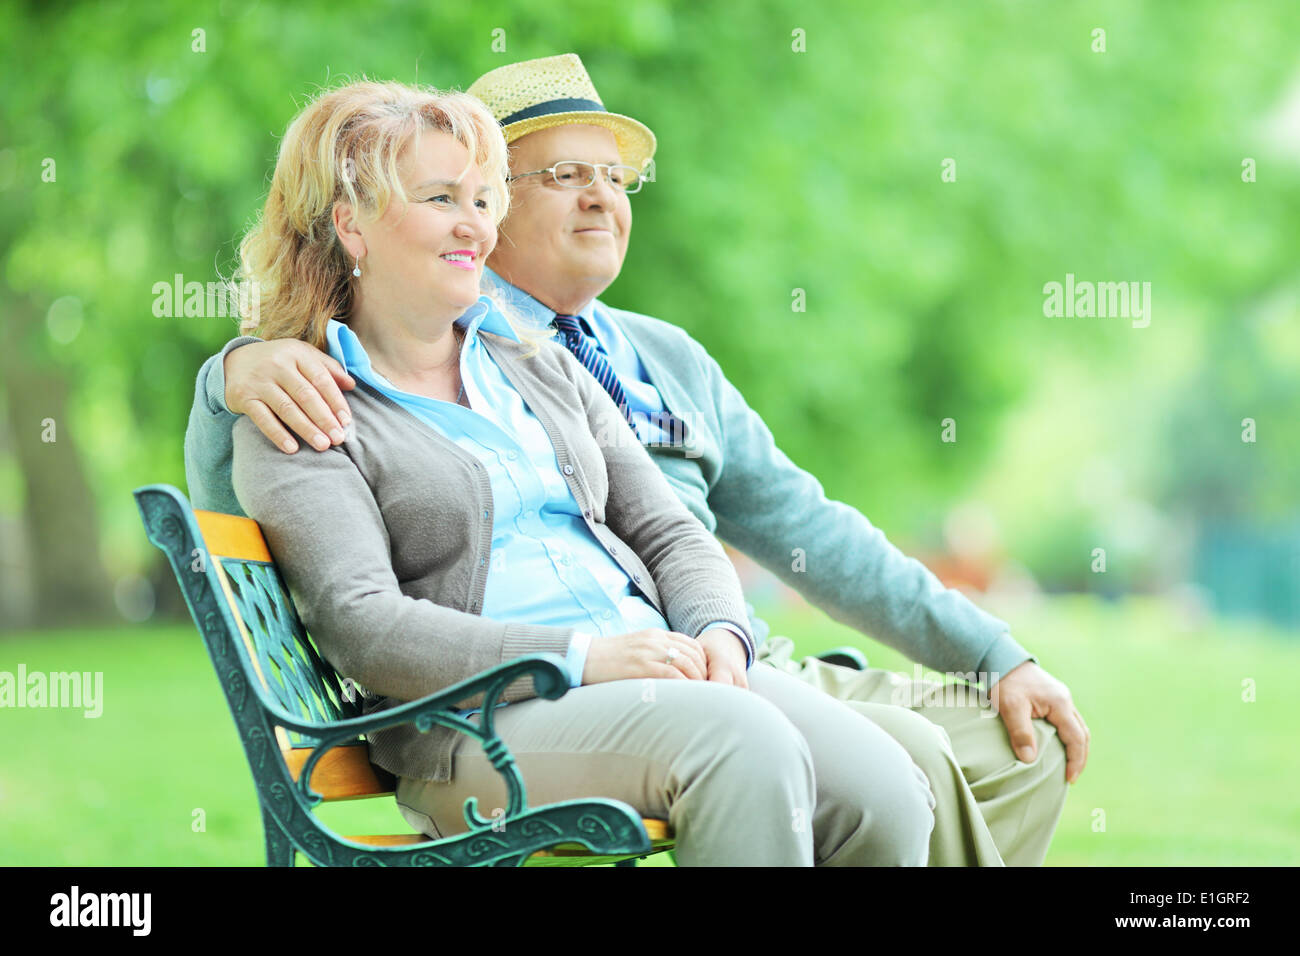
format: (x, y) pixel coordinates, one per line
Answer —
(1001, 658)
(740, 634)
(521, 639)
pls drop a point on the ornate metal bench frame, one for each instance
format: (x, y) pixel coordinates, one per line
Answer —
(300, 728)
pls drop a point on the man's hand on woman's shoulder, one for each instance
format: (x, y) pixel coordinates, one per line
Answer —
(287, 383)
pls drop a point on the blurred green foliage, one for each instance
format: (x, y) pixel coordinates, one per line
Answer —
(777, 170)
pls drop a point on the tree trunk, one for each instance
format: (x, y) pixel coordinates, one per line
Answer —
(67, 576)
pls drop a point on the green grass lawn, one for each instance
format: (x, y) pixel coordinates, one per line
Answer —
(1184, 770)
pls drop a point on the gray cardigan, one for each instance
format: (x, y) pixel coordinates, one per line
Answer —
(384, 541)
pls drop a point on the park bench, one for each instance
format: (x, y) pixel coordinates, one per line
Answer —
(301, 726)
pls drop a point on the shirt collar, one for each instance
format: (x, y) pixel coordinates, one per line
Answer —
(535, 311)
(346, 348)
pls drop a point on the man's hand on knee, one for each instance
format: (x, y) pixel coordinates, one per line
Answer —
(1028, 692)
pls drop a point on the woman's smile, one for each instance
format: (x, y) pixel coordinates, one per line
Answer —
(461, 259)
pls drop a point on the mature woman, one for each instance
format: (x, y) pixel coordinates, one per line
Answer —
(490, 501)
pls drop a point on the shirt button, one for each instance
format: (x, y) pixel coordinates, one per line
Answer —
(636, 578)
(528, 515)
(512, 455)
(568, 469)
(611, 549)
(586, 514)
(606, 614)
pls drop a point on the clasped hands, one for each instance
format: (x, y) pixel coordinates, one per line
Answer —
(716, 655)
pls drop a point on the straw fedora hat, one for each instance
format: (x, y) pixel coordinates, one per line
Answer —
(553, 91)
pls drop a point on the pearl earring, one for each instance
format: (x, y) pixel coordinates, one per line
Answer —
(356, 271)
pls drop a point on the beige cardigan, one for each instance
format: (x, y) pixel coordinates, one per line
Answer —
(384, 541)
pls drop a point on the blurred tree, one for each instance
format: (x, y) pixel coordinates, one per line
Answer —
(778, 170)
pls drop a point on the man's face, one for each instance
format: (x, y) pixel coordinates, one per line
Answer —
(563, 246)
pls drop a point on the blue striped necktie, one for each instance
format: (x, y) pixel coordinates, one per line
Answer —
(584, 348)
(581, 345)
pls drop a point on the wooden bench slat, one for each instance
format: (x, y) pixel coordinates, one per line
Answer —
(658, 830)
(580, 856)
(230, 536)
(389, 839)
(344, 773)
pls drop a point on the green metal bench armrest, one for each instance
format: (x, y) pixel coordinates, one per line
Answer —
(550, 680)
(553, 683)
(849, 657)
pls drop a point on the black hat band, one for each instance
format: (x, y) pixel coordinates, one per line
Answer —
(566, 105)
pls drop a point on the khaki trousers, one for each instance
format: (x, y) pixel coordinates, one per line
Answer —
(777, 775)
(991, 808)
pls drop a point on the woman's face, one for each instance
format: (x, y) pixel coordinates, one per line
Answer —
(427, 259)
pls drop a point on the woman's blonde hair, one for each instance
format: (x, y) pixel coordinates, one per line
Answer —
(344, 147)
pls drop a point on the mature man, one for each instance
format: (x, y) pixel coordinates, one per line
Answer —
(573, 167)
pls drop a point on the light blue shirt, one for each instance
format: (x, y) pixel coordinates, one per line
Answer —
(643, 399)
(547, 568)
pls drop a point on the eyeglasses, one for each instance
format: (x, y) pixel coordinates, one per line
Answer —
(576, 175)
